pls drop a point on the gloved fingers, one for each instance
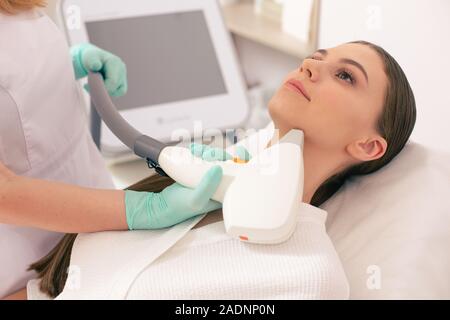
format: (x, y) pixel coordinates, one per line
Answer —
(206, 188)
(121, 91)
(197, 149)
(216, 154)
(87, 88)
(124, 88)
(115, 75)
(211, 206)
(92, 60)
(242, 153)
(208, 153)
(76, 53)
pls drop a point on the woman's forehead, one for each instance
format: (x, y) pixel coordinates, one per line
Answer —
(364, 55)
(374, 66)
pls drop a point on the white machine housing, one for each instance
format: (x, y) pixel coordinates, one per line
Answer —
(261, 198)
(165, 120)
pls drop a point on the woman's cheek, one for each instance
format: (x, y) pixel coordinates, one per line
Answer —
(275, 109)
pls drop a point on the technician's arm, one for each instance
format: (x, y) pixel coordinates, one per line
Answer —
(57, 206)
(66, 208)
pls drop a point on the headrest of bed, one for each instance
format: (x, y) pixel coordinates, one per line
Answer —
(392, 228)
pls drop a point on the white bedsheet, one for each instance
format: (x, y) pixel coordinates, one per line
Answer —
(392, 226)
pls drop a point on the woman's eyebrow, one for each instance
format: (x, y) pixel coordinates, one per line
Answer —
(356, 64)
(324, 52)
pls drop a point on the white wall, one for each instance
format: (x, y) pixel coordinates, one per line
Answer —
(263, 65)
(417, 34)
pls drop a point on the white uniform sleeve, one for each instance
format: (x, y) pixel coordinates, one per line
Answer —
(11, 134)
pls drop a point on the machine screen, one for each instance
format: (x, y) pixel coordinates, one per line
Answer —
(169, 57)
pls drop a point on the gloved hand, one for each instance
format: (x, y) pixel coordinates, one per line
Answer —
(176, 203)
(217, 154)
(87, 57)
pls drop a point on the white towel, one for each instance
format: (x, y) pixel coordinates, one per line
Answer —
(207, 264)
(104, 264)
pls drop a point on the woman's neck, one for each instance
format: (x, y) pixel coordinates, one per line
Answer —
(317, 166)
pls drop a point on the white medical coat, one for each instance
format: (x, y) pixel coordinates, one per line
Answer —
(43, 130)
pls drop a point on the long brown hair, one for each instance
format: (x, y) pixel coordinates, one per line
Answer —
(16, 6)
(395, 125)
(52, 269)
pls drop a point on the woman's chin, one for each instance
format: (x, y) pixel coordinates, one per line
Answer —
(283, 114)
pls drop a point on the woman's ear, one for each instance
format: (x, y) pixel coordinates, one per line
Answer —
(368, 149)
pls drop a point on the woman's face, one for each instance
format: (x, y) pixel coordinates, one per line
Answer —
(345, 88)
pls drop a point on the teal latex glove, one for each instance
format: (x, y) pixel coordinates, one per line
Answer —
(175, 204)
(87, 57)
(217, 154)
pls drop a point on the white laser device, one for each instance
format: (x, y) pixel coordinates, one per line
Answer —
(261, 198)
(165, 44)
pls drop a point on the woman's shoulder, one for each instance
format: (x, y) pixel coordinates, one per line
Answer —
(307, 259)
(306, 266)
(312, 213)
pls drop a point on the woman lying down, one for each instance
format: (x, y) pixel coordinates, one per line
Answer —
(356, 110)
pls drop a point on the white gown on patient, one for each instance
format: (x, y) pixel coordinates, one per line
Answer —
(43, 130)
(204, 267)
(206, 263)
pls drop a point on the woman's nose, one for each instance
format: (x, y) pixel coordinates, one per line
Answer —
(310, 68)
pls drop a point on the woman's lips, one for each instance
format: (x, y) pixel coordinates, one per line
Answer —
(298, 87)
